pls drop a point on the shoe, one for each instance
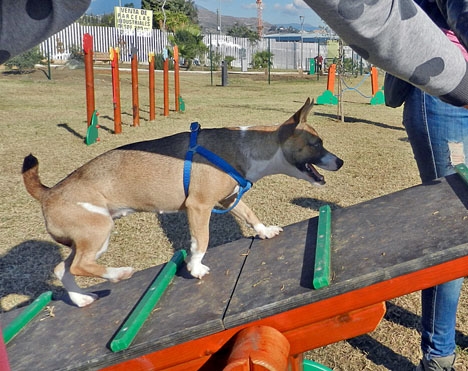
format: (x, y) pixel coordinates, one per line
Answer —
(437, 364)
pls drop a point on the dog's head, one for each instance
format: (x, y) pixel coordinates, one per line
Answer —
(303, 148)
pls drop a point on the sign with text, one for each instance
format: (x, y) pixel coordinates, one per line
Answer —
(129, 20)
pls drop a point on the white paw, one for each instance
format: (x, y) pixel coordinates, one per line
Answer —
(198, 270)
(118, 274)
(267, 232)
(82, 300)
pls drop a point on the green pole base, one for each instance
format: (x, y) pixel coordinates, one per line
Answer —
(378, 98)
(327, 97)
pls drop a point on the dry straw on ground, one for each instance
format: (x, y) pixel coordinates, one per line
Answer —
(47, 118)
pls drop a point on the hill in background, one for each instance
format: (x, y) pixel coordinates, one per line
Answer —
(208, 21)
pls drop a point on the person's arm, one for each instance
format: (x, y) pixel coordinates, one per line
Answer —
(400, 38)
(24, 24)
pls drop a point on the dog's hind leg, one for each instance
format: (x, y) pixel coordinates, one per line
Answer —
(86, 249)
(199, 220)
(243, 212)
(76, 294)
(84, 262)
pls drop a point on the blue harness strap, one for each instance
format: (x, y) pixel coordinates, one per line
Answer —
(244, 184)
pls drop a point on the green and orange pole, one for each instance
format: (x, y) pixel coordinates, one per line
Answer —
(152, 114)
(176, 78)
(135, 100)
(114, 56)
(166, 86)
(89, 76)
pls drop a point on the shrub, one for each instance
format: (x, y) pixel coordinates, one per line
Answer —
(76, 53)
(228, 59)
(25, 61)
(261, 59)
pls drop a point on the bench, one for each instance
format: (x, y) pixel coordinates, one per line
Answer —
(101, 57)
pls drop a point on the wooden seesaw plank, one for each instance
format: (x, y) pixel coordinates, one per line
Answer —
(79, 338)
(381, 249)
(373, 241)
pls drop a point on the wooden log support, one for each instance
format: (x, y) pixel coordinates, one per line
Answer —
(259, 348)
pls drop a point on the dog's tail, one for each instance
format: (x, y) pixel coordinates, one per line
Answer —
(31, 178)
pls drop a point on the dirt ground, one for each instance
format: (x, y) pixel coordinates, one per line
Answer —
(48, 118)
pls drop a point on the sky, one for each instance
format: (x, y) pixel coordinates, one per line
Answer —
(274, 11)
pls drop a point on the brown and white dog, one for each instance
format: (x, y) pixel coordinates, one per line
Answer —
(147, 176)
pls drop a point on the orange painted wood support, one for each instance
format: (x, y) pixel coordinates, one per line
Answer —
(166, 87)
(152, 99)
(259, 348)
(135, 100)
(296, 362)
(331, 78)
(89, 76)
(114, 56)
(374, 80)
(306, 336)
(176, 78)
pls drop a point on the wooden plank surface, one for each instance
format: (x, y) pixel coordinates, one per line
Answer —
(78, 338)
(371, 242)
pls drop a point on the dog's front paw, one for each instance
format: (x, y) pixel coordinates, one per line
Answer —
(267, 232)
(198, 270)
(82, 300)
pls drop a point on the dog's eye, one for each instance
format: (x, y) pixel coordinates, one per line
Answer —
(315, 144)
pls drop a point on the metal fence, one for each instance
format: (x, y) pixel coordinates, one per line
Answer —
(286, 55)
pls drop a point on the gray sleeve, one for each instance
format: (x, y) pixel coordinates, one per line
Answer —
(397, 36)
(25, 23)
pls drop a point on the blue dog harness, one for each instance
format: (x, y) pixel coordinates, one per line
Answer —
(244, 184)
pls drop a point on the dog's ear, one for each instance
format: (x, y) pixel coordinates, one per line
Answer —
(305, 110)
(298, 120)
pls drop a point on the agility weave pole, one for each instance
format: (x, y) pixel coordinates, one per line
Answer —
(31, 311)
(143, 309)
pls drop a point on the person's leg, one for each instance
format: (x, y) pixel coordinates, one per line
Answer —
(438, 133)
(439, 310)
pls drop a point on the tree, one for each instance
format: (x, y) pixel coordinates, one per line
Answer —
(173, 11)
(170, 21)
(189, 40)
(261, 59)
(238, 30)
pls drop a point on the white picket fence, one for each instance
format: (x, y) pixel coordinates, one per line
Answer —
(286, 55)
